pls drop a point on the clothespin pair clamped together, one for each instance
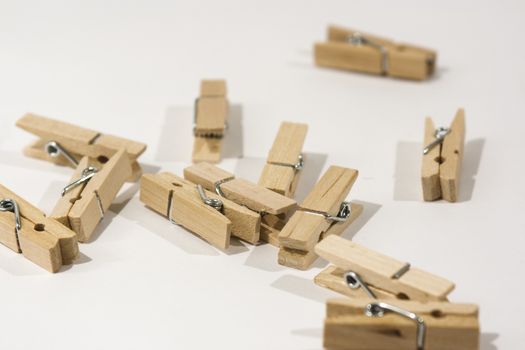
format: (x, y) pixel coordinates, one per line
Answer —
(352, 50)
(442, 155)
(212, 203)
(210, 121)
(27, 230)
(107, 163)
(387, 298)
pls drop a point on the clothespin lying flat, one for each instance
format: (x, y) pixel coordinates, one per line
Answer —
(360, 272)
(442, 159)
(62, 143)
(27, 230)
(323, 213)
(204, 213)
(240, 191)
(285, 160)
(351, 50)
(359, 324)
(87, 198)
(210, 121)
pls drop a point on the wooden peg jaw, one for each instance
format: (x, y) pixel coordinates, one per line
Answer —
(78, 141)
(441, 166)
(280, 173)
(179, 201)
(306, 227)
(240, 191)
(448, 326)
(84, 207)
(382, 272)
(211, 114)
(43, 240)
(402, 60)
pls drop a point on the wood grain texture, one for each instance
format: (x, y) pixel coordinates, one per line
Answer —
(246, 224)
(448, 326)
(304, 229)
(378, 270)
(240, 191)
(303, 259)
(404, 61)
(213, 88)
(43, 240)
(286, 149)
(79, 141)
(188, 210)
(207, 150)
(452, 154)
(85, 215)
(430, 165)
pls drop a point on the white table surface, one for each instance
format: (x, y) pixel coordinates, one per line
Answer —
(132, 68)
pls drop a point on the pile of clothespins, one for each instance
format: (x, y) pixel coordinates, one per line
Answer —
(391, 305)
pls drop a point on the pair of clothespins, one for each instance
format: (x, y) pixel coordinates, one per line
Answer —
(210, 121)
(442, 155)
(87, 198)
(27, 230)
(77, 142)
(324, 212)
(387, 298)
(285, 159)
(352, 50)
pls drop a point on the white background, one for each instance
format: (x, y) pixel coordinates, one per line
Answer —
(132, 68)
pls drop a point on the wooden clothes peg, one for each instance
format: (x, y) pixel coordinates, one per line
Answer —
(442, 155)
(285, 160)
(27, 230)
(367, 324)
(352, 50)
(240, 191)
(92, 191)
(323, 213)
(210, 121)
(360, 272)
(62, 143)
(181, 201)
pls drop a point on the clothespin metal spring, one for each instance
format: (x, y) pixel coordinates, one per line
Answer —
(87, 174)
(54, 149)
(8, 204)
(358, 39)
(439, 134)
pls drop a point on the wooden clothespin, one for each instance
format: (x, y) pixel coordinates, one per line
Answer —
(62, 143)
(285, 160)
(324, 212)
(204, 213)
(352, 50)
(240, 191)
(442, 157)
(359, 324)
(210, 121)
(27, 230)
(360, 272)
(87, 198)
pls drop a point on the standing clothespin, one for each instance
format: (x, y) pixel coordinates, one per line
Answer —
(442, 157)
(324, 212)
(210, 121)
(76, 142)
(358, 324)
(200, 211)
(87, 198)
(285, 160)
(360, 272)
(352, 50)
(240, 191)
(27, 230)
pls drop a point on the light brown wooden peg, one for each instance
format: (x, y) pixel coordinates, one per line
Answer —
(243, 192)
(42, 240)
(448, 326)
(375, 55)
(383, 272)
(78, 141)
(279, 173)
